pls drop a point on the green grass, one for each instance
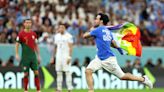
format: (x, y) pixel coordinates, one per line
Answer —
(110, 90)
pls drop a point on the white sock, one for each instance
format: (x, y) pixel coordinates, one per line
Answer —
(69, 80)
(59, 80)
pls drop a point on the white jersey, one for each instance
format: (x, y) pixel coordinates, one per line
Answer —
(62, 42)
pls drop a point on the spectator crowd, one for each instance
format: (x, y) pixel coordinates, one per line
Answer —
(78, 16)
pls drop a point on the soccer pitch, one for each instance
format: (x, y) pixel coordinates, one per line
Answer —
(110, 90)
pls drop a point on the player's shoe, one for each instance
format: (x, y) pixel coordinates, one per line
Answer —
(25, 91)
(38, 91)
(90, 90)
(58, 91)
(147, 82)
(69, 91)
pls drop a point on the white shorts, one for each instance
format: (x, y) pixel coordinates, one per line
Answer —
(110, 64)
(61, 64)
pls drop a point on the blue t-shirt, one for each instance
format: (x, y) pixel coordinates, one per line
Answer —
(103, 38)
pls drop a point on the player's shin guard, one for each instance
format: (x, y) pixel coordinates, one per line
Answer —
(37, 82)
(69, 80)
(59, 80)
(25, 81)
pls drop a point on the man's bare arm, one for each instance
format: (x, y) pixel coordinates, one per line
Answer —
(70, 49)
(114, 45)
(53, 54)
(38, 54)
(70, 53)
(17, 51)
(87, 35)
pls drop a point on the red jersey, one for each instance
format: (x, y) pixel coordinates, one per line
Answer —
(28, 42)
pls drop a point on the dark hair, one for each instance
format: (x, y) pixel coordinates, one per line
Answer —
(160, 60)
(0, 61)
(62, 24)
(27, 19)
(104, 18)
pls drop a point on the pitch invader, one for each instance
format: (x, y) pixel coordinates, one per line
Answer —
(105, 58)
(27, 38)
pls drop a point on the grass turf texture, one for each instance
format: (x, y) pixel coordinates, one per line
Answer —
(110, 90)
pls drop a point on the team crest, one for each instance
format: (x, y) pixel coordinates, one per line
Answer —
(33, 37)
(24, 68)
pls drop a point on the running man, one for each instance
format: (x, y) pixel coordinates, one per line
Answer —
(27, 38)
(105, 58)
(63, 50)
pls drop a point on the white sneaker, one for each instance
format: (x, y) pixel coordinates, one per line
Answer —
(147, 82)
(25, 91)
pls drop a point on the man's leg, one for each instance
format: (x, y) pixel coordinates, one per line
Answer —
(66, 68)
(25, 81)
(37, 80)
(89, 79)
(92, 67)
(145, 80)
(112, 66)
(129, 76)
(25, 66)
(59, 80)
(59, 72)
(34, 67)
(69, 80)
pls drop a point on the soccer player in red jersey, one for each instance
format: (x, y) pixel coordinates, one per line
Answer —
(27, 38)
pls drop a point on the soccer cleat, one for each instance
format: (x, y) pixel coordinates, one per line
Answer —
(38, 91)
(25, 91)
(58, 91)
(147, 82)
(69, 91)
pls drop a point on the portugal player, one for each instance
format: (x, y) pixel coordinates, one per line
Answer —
(27, 38)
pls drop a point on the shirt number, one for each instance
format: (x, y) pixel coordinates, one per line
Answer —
(106, 36)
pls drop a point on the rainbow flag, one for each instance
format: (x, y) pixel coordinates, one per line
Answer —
(127, 37)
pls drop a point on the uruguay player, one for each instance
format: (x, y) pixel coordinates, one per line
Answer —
(105, 58)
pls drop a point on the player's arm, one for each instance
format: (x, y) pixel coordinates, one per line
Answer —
(88, 34)
(114, 45)
(37, 51)
(18, 41)
(70, 44)
(70, 49)
(17, 51)
(53, 54)
(70, 52)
